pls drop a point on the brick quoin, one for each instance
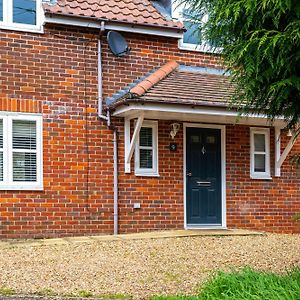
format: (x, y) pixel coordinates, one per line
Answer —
(55, 74)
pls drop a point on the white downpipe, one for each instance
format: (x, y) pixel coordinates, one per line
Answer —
(116, 215)
(100, 81)
(115, 138)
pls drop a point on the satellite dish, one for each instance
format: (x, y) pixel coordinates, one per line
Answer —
(117, 43)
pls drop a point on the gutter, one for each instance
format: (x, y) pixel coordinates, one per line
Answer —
(88, 22)
(107, 118)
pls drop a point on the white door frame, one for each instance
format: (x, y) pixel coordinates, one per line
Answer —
(223, 172)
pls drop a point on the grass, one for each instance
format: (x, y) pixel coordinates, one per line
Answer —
(5, 291)
(85, 294)
(246, 284)
(46, 292)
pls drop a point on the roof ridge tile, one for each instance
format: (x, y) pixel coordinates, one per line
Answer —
(145, 85)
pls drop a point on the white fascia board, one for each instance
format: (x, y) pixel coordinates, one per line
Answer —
(81, 22)
(145, 30)
(217, 115)
(88, 23)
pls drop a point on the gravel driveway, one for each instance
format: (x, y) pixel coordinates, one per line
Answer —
(141, 267)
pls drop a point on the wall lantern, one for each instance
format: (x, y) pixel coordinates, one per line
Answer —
(174, 129)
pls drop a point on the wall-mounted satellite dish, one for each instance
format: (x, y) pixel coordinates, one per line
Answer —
(117, 43)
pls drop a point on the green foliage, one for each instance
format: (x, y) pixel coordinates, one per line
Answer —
(260, 42)
(85, 294)
(46, 292)
(251, 285)
(297, 218)
(247, 284)
(5, 291)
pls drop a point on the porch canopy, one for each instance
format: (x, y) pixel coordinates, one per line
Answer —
(189, 94)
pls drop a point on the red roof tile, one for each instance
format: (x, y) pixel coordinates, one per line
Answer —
(145, 85)
(140, 12)
(183, 86)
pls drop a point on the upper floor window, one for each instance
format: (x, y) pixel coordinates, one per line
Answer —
(22, 15)
(260, 153)
(193, 37)
(20, 152)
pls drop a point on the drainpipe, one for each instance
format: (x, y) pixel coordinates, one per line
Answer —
(115, 182)
(107, 117)
(100, 83)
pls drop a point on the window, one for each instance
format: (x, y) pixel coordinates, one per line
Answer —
(20, 152)
(260, 153)
(146, 160)
(192, 38)
(22, 15)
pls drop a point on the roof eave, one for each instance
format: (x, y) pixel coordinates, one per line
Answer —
(85, 21)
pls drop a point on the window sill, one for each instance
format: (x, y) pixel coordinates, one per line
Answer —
(197, 48)
(146, 174)
(262, 177)
(21, 188)
(38, 29)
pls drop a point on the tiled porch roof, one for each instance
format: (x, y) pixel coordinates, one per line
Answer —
(140, 12)
(178, 84)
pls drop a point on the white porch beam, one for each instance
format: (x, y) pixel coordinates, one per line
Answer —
(277, 172)
(130, 145)
(286, 151)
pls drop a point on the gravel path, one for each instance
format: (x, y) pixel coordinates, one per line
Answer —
(141, 267)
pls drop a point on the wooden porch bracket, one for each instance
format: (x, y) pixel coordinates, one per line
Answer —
(130, 145)
(280, 158)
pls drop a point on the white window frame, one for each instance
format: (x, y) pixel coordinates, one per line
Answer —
(142, 171)
(266, 133)
(8, 23)
(177, 8)
(8, 183)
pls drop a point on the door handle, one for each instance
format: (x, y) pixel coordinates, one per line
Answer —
(189, 174)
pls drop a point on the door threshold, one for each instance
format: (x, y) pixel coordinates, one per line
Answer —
(188, 227)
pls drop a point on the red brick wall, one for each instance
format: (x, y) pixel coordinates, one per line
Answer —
(55, 74)
(260, 204)
(267, 205)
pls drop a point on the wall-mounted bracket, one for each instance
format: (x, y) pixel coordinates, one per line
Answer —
(130, 144)
(280, 158)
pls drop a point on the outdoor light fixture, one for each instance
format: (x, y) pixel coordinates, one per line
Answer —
(174, 129)
(289, 133)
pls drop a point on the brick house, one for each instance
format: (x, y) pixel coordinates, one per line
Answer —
(97, 143)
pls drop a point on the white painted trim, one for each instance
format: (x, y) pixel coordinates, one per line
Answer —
(134, 139)
(287, 150)
(81, 22)
(223, 174)
(277, 141)
(266, 133)
(165, 109)
(167, 32)
(126, 143)
(8, 183)
(154, 171)
(8, 23)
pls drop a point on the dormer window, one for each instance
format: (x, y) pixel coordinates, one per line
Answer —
(192, 38)
(24, 15)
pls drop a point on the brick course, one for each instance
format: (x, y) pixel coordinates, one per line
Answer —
(56, 74)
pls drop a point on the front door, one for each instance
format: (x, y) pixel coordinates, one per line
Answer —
(203, 177)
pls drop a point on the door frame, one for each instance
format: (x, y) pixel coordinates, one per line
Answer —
(223, 173)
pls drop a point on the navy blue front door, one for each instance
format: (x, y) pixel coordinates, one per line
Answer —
(203, 176)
